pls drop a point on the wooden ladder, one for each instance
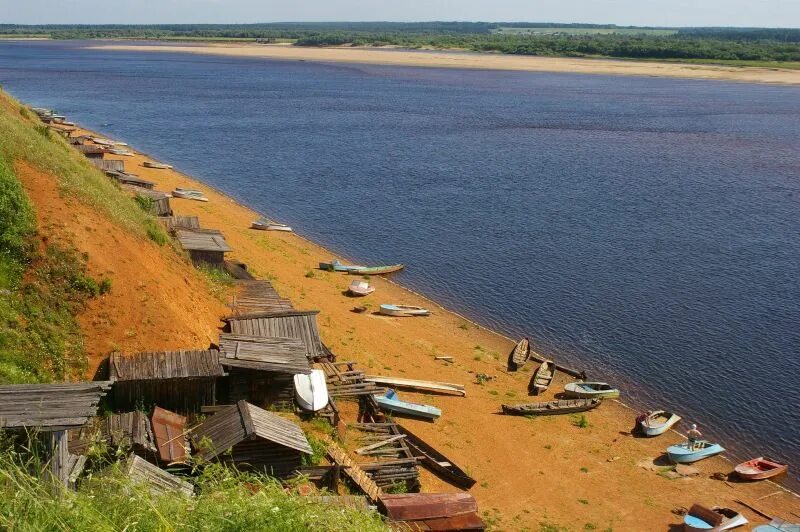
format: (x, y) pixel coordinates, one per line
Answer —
(352, 470)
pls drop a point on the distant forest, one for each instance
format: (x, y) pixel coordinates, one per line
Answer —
(524, 38)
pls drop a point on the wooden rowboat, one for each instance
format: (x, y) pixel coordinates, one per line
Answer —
(158, 166)
(713, 519)
(520, 355)
(376, 270)
(551, 408)
(542, 378)
(682, 453)
(403, 310)
(656, 422)
(591, 389)
(760, 468)
(435, 461)
(391, 402)
(265, 224)
(336, 266)
(186, 193)
(360, 288)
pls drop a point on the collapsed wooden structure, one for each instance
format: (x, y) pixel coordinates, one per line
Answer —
(154, 478)
(258, 296)
(299, 324)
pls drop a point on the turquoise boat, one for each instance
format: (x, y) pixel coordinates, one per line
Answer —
(683, 454)
(588, 390)
(336, 266)
(376, 270)
(391, 402)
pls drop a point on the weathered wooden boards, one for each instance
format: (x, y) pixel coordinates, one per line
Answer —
(108, 165)
(169, 432)
(393, 462)
(412, 384)
(258, 296)
(173, 223)
(432, 459)
(50, 406)
(344, 380)
(202, 240)
(354, 472)
(158, 365)
(289, 324)
(274, 354)
(433, 511)
(130, 430)
(157, 480)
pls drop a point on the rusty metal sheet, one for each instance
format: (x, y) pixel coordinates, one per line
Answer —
(169, 430)
(420, 506)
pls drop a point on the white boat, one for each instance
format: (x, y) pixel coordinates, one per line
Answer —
(265, 224)
(403, 310)
(186, 193)
(311, 391)
(656, 422)
(591, 389)
(159, 166)
(360, 288)
(118, 151)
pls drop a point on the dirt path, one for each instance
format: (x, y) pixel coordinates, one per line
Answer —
(530, 472)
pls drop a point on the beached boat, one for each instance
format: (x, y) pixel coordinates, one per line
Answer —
(552, 408)
(542, 378)
(699, 518)
(391, 402)
(520, 355)
(158, 166)
(265, 224)
(681, 453)
(360, 288)
(591, 389)
(336, 266)
(120, 151)
(656, 422)
(778, 525)
(376, 270)
(403, 310)
(760, 468)
(311, 391)
(186, 193)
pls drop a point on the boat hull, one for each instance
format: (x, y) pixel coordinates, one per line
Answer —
(578, 389)
(757, 469)
(660, 428)
(376, 270)
(542, 377)
(403, 312)
(681, 454)
(552, 408)
(390, 403)
(520, 355)
(311, 391)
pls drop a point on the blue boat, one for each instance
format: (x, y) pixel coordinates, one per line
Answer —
(336, 266)
(391, 402)
(683, 454)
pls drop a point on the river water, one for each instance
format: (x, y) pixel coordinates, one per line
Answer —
(644, 229)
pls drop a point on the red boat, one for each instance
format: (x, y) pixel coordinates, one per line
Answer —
(760, 468)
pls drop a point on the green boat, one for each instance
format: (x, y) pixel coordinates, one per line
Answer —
(377, 270)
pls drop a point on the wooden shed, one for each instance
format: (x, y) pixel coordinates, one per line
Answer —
(182, 381)
(257, 440)
(109, 165)
(156, 479)
(261, 369)
(173, 223)
(204, 245)
(124, 178)
(52, 409)
(160, 205)
(91, 151)
(299, 324)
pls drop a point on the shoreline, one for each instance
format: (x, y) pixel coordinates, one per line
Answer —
(472, 60)
(491, 446)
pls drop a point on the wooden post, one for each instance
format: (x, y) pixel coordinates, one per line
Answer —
(59, 456)
(334, 478)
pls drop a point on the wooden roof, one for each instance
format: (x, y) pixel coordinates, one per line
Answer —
(173, 223)
(109, 165)
(281, 355)
(129, 429)
(258, 296)
(50, 407)
(289, 324)
(159, 481)
(164, 365)
(242, 421)
(202, 240)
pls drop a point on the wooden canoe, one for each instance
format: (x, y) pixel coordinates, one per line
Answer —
(760, 468)
(436, 461)
(520, 355)
(542, 377)
(377, 270)
(551, 408)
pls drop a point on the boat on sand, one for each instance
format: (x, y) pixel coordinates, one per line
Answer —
(551, 408)
(158, 166)
(542, 377)
(520, 355)
(656, 422)
(265, 224)
(336, 266)
(699, 518)
(187, 193)
(591, 389)
(391, 401)
(403, 310)
(760, 468)
(683, 453)
(311, 391)
(360, 288)
(376, 270)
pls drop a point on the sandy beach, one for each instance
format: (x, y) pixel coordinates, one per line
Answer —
(486, 61)
(530, 472)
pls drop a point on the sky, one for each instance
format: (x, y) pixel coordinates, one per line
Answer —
(762, 13)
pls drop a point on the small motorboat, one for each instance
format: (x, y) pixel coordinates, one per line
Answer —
(520, 355)
(158, 166)
(187, 193)
(702, 519)
(760, 468)
(391, 402)
(403, 310)
(656, 422)
(360, 288)
(265, 224)
(542, 378)
(591, 389)
(682, 453)
(311, 391)
(376, 270)
(552, 408)
(336, 266)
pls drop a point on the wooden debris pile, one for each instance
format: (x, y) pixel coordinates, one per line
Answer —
(391, 461)
(345, 381)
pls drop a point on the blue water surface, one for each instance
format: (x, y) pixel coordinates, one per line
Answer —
(644, 229)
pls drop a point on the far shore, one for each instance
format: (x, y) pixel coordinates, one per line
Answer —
(474, 60)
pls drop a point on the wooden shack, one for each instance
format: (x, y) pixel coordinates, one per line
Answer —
(257, 440)
(51, 409)
(159, 205)
(205, 246)
(299, 324)
(261, 369)
(124, 178)
(109, 166)
(182, 381)
(156, 479)
(173, 223)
